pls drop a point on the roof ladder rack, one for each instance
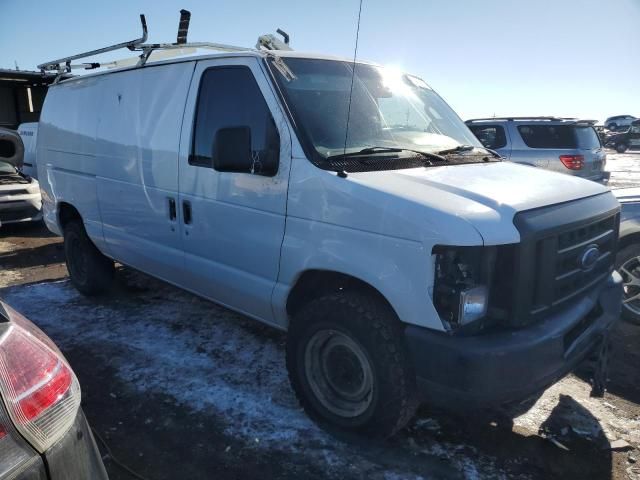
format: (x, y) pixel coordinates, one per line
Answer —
(57, 65)
(64, 65)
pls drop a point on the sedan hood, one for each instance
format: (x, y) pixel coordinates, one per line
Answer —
(486, 195)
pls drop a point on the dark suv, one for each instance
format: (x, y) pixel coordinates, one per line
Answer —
(564, 145)
(623, 141)
(43, 432)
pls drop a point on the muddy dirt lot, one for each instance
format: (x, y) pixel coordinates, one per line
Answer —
(178, 387)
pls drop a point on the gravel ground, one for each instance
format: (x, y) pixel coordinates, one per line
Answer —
(181, 388)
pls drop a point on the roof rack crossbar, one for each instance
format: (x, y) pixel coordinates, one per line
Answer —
(519, 118)
(66, 61)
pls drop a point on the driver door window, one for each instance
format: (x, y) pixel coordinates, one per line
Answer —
(230, 97)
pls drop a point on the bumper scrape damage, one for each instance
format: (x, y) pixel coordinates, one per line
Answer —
(512, 365)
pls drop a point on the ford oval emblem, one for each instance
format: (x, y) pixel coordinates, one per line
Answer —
(589, 257)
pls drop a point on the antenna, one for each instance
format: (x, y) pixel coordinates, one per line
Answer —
(353, 73)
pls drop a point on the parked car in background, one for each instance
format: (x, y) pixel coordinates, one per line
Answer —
(619, 121)
(20, 199)
(563, 145)
(628, 258)
(399, 264)
(627, 140)
(43, 431)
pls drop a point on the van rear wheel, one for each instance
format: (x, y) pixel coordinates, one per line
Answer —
(90, 271)
(348, 364)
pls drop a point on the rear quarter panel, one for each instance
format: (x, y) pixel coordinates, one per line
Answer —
(65, 153)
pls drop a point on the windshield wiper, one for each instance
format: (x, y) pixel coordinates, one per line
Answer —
(458, 149)
(468, 148)
(368, 151)
(432, 157)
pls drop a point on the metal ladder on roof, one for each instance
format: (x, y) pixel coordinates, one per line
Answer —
(63, 65)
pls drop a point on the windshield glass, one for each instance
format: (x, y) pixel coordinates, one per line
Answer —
(388, 109)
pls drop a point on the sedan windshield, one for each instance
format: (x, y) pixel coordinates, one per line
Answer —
(387, 109)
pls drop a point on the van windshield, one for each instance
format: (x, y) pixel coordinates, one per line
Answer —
(388, 109)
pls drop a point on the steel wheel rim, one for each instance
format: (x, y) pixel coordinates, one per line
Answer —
(339, 373)
(630, 272)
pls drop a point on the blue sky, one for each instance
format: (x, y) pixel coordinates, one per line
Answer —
(503, 57)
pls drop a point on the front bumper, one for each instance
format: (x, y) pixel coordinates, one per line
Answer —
(604, 179)
(510, 366)
(20, 208)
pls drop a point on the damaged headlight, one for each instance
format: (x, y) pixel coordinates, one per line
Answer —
(461, 283)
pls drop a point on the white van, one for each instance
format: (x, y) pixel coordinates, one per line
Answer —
(29, 134)
(406, 261)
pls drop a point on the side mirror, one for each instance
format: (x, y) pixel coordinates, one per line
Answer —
(233, 153)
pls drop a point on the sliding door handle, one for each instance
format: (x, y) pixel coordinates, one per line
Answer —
(186, 212)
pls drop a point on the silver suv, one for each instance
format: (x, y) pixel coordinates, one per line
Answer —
(564, 145)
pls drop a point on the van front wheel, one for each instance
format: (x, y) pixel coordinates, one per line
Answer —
(90, 271)
(348, 364)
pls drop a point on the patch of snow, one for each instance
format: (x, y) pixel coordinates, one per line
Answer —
(211, 360)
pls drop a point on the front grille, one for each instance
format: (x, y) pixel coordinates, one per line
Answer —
(22, 191)
(571, 278)
(566, 250)
(13, 179)
(561, 277)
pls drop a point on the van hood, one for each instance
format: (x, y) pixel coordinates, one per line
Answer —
(486, 195)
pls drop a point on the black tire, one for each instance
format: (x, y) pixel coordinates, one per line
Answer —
(630, 257)
(621, 147)
(371, 325)
(90, 271)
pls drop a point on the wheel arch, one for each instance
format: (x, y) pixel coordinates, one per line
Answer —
(66, 213)
(315, 283)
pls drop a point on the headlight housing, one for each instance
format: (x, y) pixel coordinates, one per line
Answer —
(462, 280)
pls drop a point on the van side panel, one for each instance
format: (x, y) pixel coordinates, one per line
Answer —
(66, 153)
(137, 165)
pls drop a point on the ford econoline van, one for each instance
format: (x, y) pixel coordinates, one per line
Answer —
(345, 203)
